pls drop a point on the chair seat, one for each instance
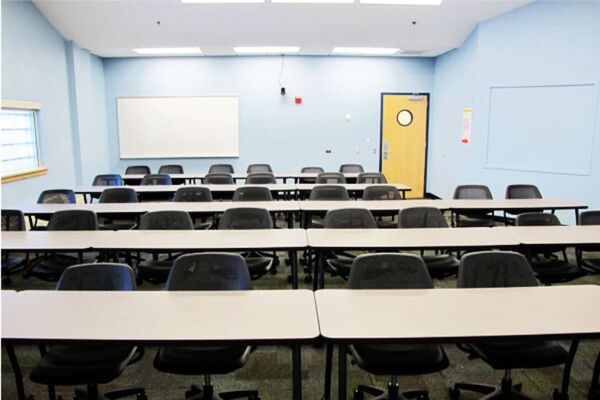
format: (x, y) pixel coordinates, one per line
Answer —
(258, 266)
(587, 261)
(155, 270)
(341, 265)
(518, 353)
(475, 220)
(82, 364)
(387, 224)
(557, 271)
(204, 360)
(52, 267)
(441, 265)
(12, 262)
(399, 359)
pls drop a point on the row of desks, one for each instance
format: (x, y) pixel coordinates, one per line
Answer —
(284, 176)
(386, 316)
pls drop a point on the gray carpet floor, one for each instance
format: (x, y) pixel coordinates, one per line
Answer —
(269, 368)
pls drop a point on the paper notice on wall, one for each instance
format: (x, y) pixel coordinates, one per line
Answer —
(467, 125)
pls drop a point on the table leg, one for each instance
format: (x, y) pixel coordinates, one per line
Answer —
(290, 219)
(342, 372)
(296, 372)
(16, 370)
(328, 368)
(314, 267)
(321, 267)
(576, 216)
(294, 264)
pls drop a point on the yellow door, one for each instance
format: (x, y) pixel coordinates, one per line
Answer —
(404, 140)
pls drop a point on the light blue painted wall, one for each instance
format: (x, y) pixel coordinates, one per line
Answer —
(34, 67)
(546, 43)
(272, 128)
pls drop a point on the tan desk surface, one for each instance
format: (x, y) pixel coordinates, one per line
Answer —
(458, 313)
(441, 238)
(161, 316)
(373, 205)
(349, 186)
(46, 240)
(508, 204)
(282, 187)
(542, 235)
(242, 175)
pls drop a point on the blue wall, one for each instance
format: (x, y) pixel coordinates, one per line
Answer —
(547, 54)
(272, 128)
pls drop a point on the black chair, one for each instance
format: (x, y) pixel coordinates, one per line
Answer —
(507, 269)
(340, 263)
(89, 364)
(156, 270)
(250, 218)
(170, 169)
(137, 170)
(252, 193)
(548, 267)
(371, 178)
(252, 168)
(474, 219)
(107, 180)
(310, 170)
(351, 169)
(590, 263)
(218, 179)
(207, 271)
(50, 267)
(325, 192)
(393, 271)
(260, 178)
(221, 168)
(193, 194)
(12, 220)
(57, 196)
(383, 192)
(331, 178)
(441, 265)
(521, 192)
(157, 179)
(117, 195)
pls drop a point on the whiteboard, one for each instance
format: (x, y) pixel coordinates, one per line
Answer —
(178, 127)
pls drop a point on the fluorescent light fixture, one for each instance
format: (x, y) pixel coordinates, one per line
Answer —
(220, 1)
(404, 2)
(365, 51)
(266, 49)
(168, 51)
(314, 1)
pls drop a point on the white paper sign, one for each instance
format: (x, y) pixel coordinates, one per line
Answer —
(467, 125)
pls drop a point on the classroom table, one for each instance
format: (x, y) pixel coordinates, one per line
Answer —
(290, 240)
(455, 315)
(568, 235)
(324, 240)
(211, 208)
(354, 189)
(253, 317)
(191, 177)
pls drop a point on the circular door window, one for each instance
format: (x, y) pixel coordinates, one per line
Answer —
(404, 118)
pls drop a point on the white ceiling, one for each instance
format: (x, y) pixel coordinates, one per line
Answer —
(114, 28)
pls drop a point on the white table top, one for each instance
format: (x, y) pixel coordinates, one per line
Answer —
(373, 205)
(155, 240)
(306, 187)
(514, 204)
(419, 238)
(143, 207)
(242, 175)
(280, 187)
(7, 294)
(458, 313)
(161, 316)
(550, 235)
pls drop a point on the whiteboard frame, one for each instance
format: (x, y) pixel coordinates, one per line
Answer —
(121, 157)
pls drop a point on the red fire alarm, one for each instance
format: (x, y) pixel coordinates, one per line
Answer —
(298, 100)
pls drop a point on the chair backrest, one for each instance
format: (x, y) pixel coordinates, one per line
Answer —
(137, 170)
(258, 168)
(349, 218)
(171, 220)
(260, 178)
(246, 218)
(473, 192)
(312, 170)
(536, 219)
(170, 169)
(107, 180)
(421, 217)
(209, 271)
(389, 271)
(329, 192)
(156, 179)
(523, 192)
(97, 276)
(331, 177)
(494, 269)
(589, 218)
(252, 193)
(13, 220)
(221, 168)
(57, 196)
(381, 192)
(118, 195)
(351, 168)
(371, 178)
(193, 193)
(218, 179)
(73, 220)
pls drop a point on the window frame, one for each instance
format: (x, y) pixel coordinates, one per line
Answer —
(41, 168)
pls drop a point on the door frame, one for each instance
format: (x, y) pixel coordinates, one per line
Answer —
(426, 131)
